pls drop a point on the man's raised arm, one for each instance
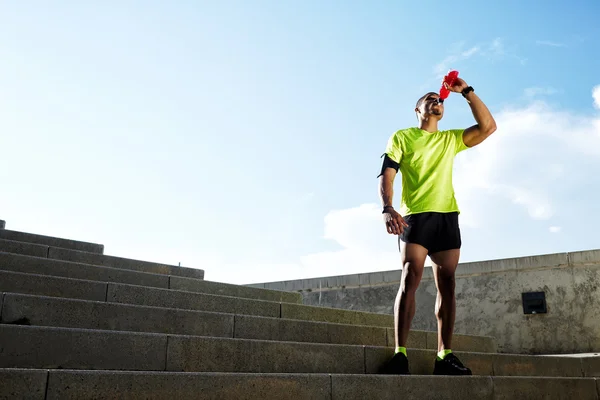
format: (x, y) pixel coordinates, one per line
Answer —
(486, 125)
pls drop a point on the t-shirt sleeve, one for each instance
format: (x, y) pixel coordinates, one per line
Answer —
(459, 143)
(394, 148)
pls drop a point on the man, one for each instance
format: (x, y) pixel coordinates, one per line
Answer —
(427, 221)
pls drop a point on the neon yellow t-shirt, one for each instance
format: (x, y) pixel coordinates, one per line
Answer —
(426, 160)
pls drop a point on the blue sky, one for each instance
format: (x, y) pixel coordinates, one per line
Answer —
(244, 137)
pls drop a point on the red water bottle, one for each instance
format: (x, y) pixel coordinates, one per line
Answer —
(450, 78)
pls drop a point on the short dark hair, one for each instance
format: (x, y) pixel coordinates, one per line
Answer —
(423, 98)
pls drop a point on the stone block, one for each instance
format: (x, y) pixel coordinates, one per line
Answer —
(44, 266)
(590, 366)
(51, 241)
(461, 342)
(41, 347)
(146, 296)
(416, 339)
(197, 354)
(525, 365)
(128, 385)
(26, 249)
(392, 276)
(2, 224)
(578, 258)
(335, 315)
(225, 289)
(83, 257)
(389, 387)
(506, 388)
(49, 311)
(42, 285)
(25, 384)
(249, 327)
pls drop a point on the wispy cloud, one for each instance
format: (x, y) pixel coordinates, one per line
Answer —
(549, 43)
(555, 229)
(442, 67)
(494, 50)
(539, 91)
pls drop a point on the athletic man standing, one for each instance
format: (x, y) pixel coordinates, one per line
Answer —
(427, 222)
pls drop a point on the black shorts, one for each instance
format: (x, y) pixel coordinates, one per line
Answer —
(433, 230)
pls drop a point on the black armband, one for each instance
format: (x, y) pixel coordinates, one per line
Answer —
(388, 163)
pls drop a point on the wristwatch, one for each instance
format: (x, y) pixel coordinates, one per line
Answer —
(385, 208)
(467, 90)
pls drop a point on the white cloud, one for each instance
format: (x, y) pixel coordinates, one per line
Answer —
(527, 160)
(549, 43)
(596, 96)
(555, 229)
(539, 91)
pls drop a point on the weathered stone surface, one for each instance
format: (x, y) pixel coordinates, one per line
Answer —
(481, 344)
(225, 289)
(544, 388)
(308, 313)
(43, 285)
(249, 327)
(422, 362)
(525, 365)
(23, 384)
(41, 347)
(196, 354)
(140, 295)
(387, 387)
(83, 257)
(44, 266)
(26, 249)
(48, 311)
(2, 224)
(51, 241)
(82, 385)
(591, 366)
(416, 339)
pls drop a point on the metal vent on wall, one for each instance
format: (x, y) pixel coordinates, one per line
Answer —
(534, 302)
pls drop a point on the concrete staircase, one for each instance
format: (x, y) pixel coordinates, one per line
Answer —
(78, 324)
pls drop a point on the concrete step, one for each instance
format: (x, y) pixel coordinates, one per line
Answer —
(18, 282)
(44, 266)
(24, 283)
(70, 313)
(136, 385)
(123, 263)
(27, 347)
(51, 241)
(57, 253)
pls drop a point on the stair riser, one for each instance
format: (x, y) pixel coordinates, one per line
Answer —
(27, 347)
(123, 263)
(56, 312)
(42, 285)
(51, 241)
(57, 268)
(82, 385)
(246, 327)
(44, 266)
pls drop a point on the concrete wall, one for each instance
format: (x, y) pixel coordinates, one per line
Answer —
(488, 300)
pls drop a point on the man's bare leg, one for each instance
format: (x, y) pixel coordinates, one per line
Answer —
(444, 268)
(413, 258)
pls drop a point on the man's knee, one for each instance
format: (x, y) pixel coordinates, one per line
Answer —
(446, 280)
(411, 275)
